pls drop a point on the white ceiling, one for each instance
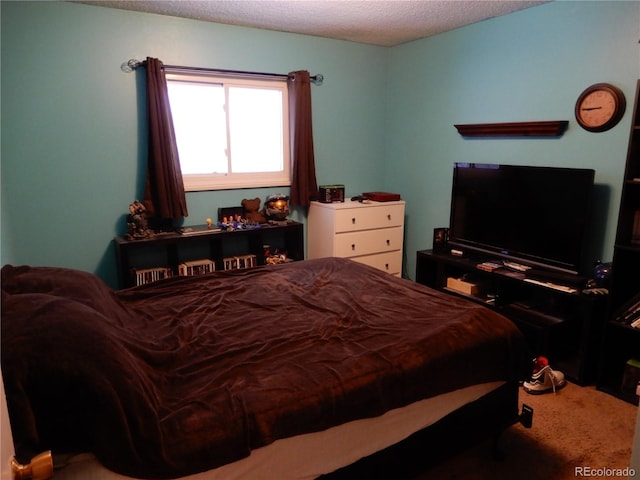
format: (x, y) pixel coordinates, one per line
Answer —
(377, 22)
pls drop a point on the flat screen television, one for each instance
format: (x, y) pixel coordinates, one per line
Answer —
(533, 216)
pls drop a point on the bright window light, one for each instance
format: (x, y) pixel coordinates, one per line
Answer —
(230, 133)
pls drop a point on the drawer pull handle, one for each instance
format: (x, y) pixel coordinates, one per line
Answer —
(389, 216)
(353, 220)
(388, 242)
(353, 246)
(386, 265)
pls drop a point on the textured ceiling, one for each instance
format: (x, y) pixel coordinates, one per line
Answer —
(376, 22)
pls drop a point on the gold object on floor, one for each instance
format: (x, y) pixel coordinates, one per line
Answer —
(40, 468)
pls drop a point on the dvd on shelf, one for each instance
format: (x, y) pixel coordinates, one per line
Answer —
(196, 267)
(143, 276)
(240, 262)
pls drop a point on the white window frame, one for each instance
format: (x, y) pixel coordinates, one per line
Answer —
(231, 180)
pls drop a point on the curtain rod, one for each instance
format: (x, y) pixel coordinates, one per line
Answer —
(132, 64)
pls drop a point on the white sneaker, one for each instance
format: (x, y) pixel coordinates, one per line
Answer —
(545, 380)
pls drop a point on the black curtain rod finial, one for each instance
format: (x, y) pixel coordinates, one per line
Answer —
(130, 65)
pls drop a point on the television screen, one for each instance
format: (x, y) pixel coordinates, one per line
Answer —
(536, 216)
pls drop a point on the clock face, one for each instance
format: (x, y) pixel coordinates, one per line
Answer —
(600, 107)
(597, 108)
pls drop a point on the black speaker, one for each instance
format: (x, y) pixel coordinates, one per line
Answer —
(440, 239)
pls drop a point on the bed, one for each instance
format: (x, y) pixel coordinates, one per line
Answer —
(289, 371)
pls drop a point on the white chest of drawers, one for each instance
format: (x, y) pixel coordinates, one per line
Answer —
(370, 233)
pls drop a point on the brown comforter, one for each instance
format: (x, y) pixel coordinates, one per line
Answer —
(190, 373)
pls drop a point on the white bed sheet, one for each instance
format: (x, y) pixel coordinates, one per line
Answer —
(306, 457)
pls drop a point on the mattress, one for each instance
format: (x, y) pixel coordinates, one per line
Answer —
(307, 456)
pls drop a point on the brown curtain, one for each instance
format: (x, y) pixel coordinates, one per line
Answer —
(304, 187)
(164, 195)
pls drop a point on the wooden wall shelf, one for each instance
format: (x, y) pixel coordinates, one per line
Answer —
(553, 128)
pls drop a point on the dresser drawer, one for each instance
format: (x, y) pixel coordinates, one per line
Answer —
(390, 262)
(378, 216)
(369, 233)
(353, 244)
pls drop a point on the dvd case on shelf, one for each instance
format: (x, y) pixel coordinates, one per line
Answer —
(196, 267)
(142, 276)
(239, 262)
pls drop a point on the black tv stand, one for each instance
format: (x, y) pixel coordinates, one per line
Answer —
(557, 319)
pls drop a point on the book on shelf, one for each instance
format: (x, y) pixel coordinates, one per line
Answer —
(196, 267)
(489, 266)
(632, 316)
(629, 314)
(635, 232)
(198, 230)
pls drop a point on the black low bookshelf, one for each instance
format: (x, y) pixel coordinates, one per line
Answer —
(558, 320)
(169, 254)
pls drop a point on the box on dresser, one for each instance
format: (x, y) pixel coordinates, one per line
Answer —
(331, 193)
(381, 196)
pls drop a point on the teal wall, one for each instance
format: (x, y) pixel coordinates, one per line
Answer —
(527, 66)
(73, 130)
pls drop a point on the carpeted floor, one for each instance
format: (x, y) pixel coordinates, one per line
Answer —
(577, 427)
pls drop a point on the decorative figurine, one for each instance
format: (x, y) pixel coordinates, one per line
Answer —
(276, 208)
(232, 223)
(252, 211)
(137, 221)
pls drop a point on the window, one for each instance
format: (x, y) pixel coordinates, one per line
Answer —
(230, 132)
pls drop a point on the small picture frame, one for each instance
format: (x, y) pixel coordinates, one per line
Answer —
(230, 212)
(440, 239)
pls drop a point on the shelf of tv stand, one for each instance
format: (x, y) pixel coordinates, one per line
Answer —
(565, 326)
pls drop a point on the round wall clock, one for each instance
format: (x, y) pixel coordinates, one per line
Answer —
(600, 107)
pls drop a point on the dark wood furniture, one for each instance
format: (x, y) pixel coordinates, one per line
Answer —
(564, 326)
(621, 341)
(553, 128)
(171, 249)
